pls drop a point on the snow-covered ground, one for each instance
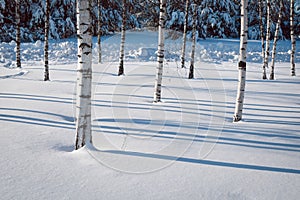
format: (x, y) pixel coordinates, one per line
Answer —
(183, 148)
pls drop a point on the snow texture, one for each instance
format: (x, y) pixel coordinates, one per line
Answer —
(185, 147)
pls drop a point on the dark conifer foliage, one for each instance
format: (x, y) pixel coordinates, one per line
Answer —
(216, 18)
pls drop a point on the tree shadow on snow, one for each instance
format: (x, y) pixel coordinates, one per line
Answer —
(207, 162)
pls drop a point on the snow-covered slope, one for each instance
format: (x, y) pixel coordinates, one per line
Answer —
(140, 46)
(183, 148)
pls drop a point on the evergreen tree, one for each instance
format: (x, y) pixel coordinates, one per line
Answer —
(218, 18)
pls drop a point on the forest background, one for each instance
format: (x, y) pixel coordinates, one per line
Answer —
(216, 18)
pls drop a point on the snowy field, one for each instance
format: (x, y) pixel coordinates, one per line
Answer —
(183, 148)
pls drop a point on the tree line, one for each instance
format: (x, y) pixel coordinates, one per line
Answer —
(216, 18)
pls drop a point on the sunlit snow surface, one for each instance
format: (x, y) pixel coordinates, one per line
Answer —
(185, 147)
(141, 46)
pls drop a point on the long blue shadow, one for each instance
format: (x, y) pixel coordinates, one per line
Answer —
(37, 98)
(36, 123)
(208, 162)
(277, 94)
(266, 121)
(197, 138)
(202, 127)
(67, 118)
(35, 119)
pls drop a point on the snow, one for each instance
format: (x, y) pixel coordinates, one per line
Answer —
(183, 148)
(142, 47)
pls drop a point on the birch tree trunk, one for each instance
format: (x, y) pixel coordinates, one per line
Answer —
(191, 73)
(99, 32)
(261, 26)
(293, 38)
(160, 52)
(275, 40)
(46, 45)
(84, 74)
(18, 34)
(266, 61)
(242, 62)
(186, 20)
(121, 59)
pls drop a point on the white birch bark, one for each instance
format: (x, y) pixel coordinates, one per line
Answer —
(191, 73)
(160, 52)
(242, 62)
(261, 26)
(276, 36)
(84, 74)
(122, 45)
(186, 19)
(18, 34)
(99, 32)
(293, 38)
(266, 61)
(46, 44)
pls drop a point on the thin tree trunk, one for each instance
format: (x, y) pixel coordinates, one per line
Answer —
(99, 32)
(242, 62)
(293, 38)
(191, 73)
(18, 34)
(266, 61)
(46, 45)
(260, 3)
(160, 53)
(121, 60)
(186, 20)
(84, 74)
(275, 41)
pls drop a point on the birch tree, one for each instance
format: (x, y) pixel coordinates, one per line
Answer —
(261, 26)
(46, 44)
(160, 52)
(191, 73)
(276, 37)
(293, 38)
(242, 62)
(18, 34)
(121, 59)
(267, 54)
(99, 31)
(186, 20)
(84, 74)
